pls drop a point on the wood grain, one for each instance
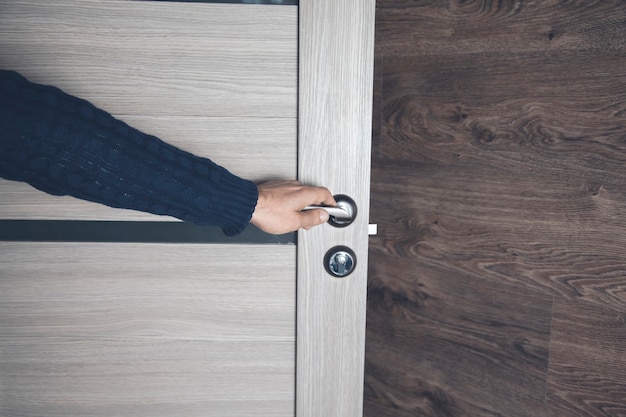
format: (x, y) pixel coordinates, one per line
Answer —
(334, 136)
(539, 232)
(445, 341)
(158, 58)
(217, 80)
(438, 27)
(146, 329)
(587, 360)
(497, 278)
(459, 109)
(537, 163)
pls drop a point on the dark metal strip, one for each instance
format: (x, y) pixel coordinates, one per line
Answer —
(133, 232)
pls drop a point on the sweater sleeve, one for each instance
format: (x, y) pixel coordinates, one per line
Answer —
(64, 145)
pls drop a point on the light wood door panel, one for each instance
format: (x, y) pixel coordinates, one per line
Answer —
(146, 329)
(215, 59)
(218, 80)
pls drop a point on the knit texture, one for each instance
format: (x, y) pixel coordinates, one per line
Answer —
(64, 145)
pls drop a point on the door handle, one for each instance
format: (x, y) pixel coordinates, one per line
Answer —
(341, 215)
(333, 211)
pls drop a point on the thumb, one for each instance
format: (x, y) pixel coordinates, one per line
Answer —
(312, 218)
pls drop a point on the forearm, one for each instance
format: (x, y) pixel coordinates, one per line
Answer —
(63, 145)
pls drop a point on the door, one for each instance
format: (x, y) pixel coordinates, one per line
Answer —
(94, 326)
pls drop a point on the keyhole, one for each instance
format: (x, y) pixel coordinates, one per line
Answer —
(340, 261)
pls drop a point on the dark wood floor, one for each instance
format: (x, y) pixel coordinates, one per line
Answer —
(497, 282)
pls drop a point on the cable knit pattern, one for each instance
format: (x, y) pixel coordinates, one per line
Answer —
(63, 145)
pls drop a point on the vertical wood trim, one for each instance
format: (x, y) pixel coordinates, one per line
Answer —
(335, 110)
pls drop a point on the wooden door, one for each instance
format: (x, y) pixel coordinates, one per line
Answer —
(162, 328)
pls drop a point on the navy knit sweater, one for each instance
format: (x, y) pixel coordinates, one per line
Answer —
(65, 146)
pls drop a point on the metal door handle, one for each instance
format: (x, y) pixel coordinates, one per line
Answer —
(341, 215)
(334, 211)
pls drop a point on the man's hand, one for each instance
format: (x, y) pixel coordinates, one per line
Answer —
(278, 209)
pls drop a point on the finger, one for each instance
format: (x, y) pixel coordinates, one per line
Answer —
(313, 218)
(324, 196)
(308, 196)
(330, 200)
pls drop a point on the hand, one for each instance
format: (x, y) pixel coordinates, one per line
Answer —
(278, 209)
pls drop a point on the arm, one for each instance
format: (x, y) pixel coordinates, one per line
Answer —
(65, 146)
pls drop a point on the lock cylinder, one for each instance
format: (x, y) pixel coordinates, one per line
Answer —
(340, 261)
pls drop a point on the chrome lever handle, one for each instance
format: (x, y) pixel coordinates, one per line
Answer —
(333, 211)
(341, 215)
